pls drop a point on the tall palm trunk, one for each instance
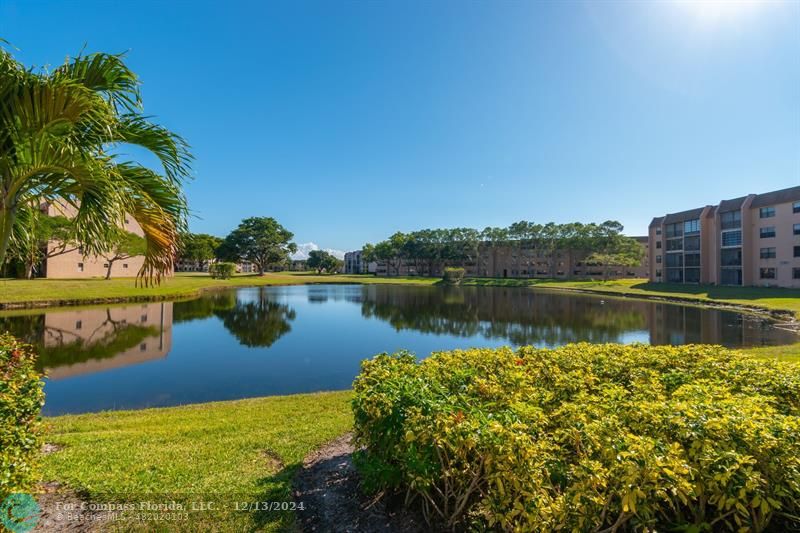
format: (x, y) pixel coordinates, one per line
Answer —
(7, 216)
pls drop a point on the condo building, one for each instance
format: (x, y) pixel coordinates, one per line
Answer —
(751, 240)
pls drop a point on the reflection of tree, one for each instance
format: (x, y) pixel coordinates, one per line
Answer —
(519, 315)
(257, 323)
(27, 328)
(204, 306)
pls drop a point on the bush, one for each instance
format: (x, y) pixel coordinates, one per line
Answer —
(585, 437)
(222, 270)
(21, 400)
(453, 276)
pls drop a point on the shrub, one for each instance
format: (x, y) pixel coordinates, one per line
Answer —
(453, 276)
(21, 400)
(585, 437)
(222, 270)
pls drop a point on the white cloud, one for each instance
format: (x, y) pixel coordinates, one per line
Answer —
(303, 249)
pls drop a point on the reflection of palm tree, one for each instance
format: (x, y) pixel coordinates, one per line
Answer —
(258, 323)
(58, 347)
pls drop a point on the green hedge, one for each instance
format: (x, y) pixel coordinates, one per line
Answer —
(21, 400)
(222, 270)
(585, 438)
(453, 276)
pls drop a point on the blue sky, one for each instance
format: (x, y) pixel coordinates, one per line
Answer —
(347, 121)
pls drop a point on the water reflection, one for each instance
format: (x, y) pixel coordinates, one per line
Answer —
(281, 340)
(82, 341)
(552, 318)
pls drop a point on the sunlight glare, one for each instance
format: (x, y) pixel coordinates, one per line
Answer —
(718, 10)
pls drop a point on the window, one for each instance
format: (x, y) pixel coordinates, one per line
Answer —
(674, 230)
(144, 318)
(796, 207)
(658, 273)
(796, 229)
(766, 212)
(691, 260)
(691, 243)
(143, 347)
(692, 275)
(124, 265)
(691, 226)
(796, 273)
(658, 257)
(797, 251)
(80, 267)
(731, 257)
(767, 273)
(658, 230)
(105, 265)
(732, 238)
(674, 260)
(675, 275)
(674, 244)
(767, 232)
(658, 244)
(78, 324)
(731, 276)
(768, 253)
(731, 220)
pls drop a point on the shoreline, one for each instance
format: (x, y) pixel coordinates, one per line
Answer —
(787, 318)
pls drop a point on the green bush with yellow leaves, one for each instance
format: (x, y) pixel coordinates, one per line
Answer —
(585, 437)
(21, 400)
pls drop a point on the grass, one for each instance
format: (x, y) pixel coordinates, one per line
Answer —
(185, 285)
(227, 452)
(71, 291)
(762, 297)
(788, 352)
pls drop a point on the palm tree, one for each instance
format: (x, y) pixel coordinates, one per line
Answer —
(60, 138)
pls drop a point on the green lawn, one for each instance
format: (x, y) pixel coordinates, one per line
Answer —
(767, 298)
(244, 450)
(71, 291)
(188, 285)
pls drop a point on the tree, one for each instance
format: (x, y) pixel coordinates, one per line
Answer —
(37, 237)
(258, 240)
(320, 260)
(199, 247)
(125, 246)
(611, 248)
(60, 134)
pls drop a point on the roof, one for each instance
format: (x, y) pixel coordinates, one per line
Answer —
(641, 238)
(731, 205)
(691, 214)
(656, 221)
(783, 196)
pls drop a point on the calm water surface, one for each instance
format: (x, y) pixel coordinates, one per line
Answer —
(281, 340)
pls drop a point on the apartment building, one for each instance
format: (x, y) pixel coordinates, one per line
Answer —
(751, 240)
(74, 264)
(354, 263)
(525, 261)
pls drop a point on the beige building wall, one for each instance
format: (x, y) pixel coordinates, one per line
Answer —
(756, 270)
(783, 242)
(94, 325)
(75, 265)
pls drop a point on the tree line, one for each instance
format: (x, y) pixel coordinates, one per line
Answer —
(430, 250)
(261, 241)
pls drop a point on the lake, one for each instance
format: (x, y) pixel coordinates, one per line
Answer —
(281, 340)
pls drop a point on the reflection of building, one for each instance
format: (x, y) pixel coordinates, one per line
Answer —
(752, 240)
(355, 264)
(98, 339)
(73, 264)
(523, 261)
